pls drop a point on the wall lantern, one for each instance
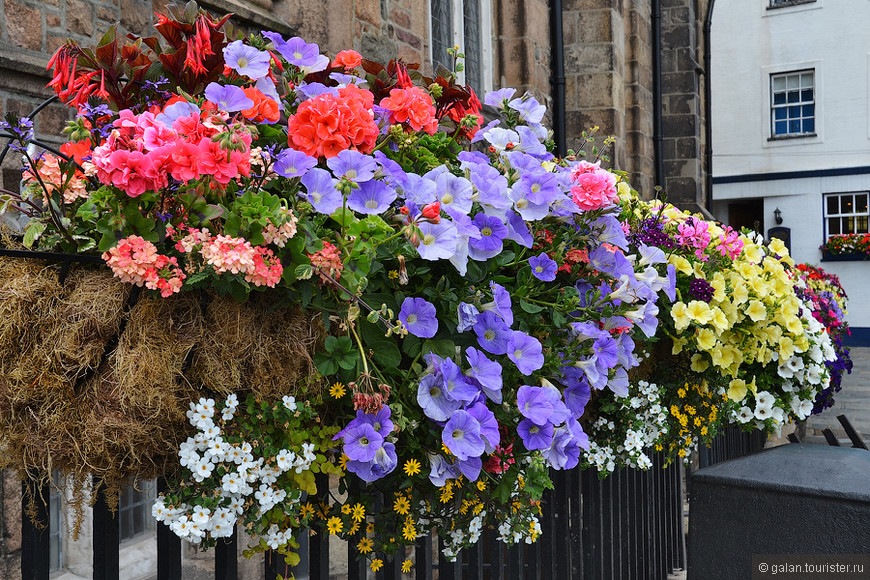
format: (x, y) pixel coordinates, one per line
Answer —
(777, 216)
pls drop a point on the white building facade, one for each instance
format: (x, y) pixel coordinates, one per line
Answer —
(791, 128)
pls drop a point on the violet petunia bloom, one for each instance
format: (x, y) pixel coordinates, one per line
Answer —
(438, 241)
(433, 400)
(380, 421)
(361, 442)
(543, 267)
(492, 333)
(176, 111)
(384, 463)
(467, 314)
(486, 372)
(488, 425)
(228, 98)
(453, 192)
(440, 470)
(501, 303)
(461, 435)
(455, 385)
(247, 60)
(419, 317)
(499, 97)
(535, 436)
(526, 352)
(373, 197)
(530, 110)
(538, 187)
(470, 467)
(491, 240)
(296, 51)
(577, 396)
(518, 231)
(320, 191)
(535, 404)
(353, 166)
(293, 163)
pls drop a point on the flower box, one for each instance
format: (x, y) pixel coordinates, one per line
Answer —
(827, 256)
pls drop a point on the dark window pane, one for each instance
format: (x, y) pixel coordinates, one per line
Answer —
(846, 204)
(780, 128)
(810, 125)
(807, 95)
(861, 203)
(794, 112)
(808, 110)
(861, 223)
(834, 227)
(442, 33)
(848, 225)
(832, 204)
(780, 114)
(794, 127)
(473, 47)
(779, 98)
(794, 96)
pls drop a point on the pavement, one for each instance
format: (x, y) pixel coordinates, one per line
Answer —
(853, 401)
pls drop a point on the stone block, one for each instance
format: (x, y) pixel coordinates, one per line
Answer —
(683, 104)
(378, 48)
(369, 11)
(596, 25)
(401, 18)
(408, 38)
(680, 126)
(683, 192)
(409, 54)
(586, 59)
(678, 35)
(80, 17)
(514, 62)
(680, 82)
(602, 90)
(52, 20)
(52, 120)
(23, 25)
(136, 15)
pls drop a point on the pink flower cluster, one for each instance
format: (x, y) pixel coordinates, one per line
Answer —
(413, 106)
(235, 255)
(136, 261)
(730, 243)
(328, 124)
(278, 235)
(49, 171)
(141, 153)
(593, 187)
(694, 234)
(328, 260)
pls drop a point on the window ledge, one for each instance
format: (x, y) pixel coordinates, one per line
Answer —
(251, 12)
(789, 137)
(856, 257)
(789, 3)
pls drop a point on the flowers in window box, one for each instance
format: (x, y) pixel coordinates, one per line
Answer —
(847, 244)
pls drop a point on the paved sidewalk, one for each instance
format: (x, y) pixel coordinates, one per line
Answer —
(853, 401)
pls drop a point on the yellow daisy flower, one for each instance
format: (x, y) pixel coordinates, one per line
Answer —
(334, 525)
(402, 505)
(412, 467)
(337, 391)
(359, 512)
(306, 510)
(365, 545)
(406, 566)
(377, 564)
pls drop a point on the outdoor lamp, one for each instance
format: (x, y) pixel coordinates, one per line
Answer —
(777, 216)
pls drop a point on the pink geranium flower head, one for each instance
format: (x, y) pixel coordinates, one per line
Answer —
(593, 187)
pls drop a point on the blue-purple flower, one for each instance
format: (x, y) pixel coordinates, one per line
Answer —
(229, 98)
(433, 400)
(492, 333)
(462, 437)
(438, 241)
(353, 166)
(487, 373)
(320, 191)
(296, 51)
(535, 436)
(293, 163)
(419, 317)
(361, 442)
(543, 267)
(491, 241)
(372, 197)
(247, 60)
(526, 352)
(467, 314)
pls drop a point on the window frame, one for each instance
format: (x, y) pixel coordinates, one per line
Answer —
(839, 215)
(457, 35)
(785, 106)
(765, 102)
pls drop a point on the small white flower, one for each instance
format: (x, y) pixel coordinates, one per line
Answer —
(765, 399)
(745, 414)
(200, 515)
(203, 469)
(289, 402)
(762, 413)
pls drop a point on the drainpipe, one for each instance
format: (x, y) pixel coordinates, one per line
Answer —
(658, 138)
(557, 67)
(708, 104)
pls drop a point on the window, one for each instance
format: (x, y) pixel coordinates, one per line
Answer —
(846, 213)
(466, 24)
(784, 3)
(134, 510)
(792, 104)
(55, 526)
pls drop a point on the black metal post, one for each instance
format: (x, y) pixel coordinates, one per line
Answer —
(106, 538)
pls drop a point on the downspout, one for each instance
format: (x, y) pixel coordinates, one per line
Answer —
(658, 138)
(557, 79)
(708, 104)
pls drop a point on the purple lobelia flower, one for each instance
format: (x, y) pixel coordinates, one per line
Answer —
(543, 267)
(361, 442)
(467, 314)
(419, 318)
(492, 333)
(438, 241)
(487, 373)
(228, 98)
(526, 352)
(433, 400)
(353, 166)
(491, 241)
(372, 197)
(293, 163)
(462, 437)
(320, 191)
(247, 60)
(296, 51)
(455, 385)
(535, 436)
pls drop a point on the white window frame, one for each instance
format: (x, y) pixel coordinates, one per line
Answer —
(768, 139)
(768, 8)
(774, 107)
(827, 216)
(457, 25)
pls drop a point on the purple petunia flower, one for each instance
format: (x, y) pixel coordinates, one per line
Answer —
(438, 241)
(543, 267)
(535, 404)
(353, 166)
(538, 187)
(492, 333)
(433, 400)
(293, 163)
(535, 436)
(419, 317)
(488, 425)
(228, 98)
(499, 97)
(530, 110)
(470, 467)
(467, 314)
(518, 231)
(372, 197)
(380, 421)
(247, 60)
(577, 396)
(501, 303)
(176, 111)
(361, 442)
(486, 372)
(296, 51)
(455, 385)
(491, 241)
(526, 352)
(384, 463)
(320, 191)
(440, 470)
(462, 437)
(453, 192)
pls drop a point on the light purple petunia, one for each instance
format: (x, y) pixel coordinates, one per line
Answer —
(467, 314)
(543, 267)
(419, 317)
(320, 191)
(501, 303)
(499, 98)
(535, 436)
(361, 442)
(492, 333)
(384, 463)
(462, 437)
(440, 470)
(176, 111)
(296, 51)
(353, 166)
(373, 197)
(535, 404)
(518, 231)
(491, 241)
(247, 60)
(530, 110)
(228, 98)
(455, 385)
(488, 425)
(538, 186)
(453, 192)
(433, 400)
(438, 241)
(470, 467)
(293, 163)
(486, 372)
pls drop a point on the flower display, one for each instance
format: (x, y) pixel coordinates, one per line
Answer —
(846, 244)
(489, 312)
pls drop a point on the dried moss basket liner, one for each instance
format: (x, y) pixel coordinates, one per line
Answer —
(96, 375)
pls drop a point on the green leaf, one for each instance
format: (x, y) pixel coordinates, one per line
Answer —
(304, 272)
(386, 353)
(443, 347)
(32, 233)
(343, 217)
(531, 308)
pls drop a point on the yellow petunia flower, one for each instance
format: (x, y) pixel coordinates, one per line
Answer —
(706, 339)
(699, 363)
(699, 311)
(756, 311)
(680, 314)
(737, 390)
